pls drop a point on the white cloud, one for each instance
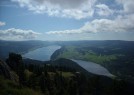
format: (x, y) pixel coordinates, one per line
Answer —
(120, 24)
(103, 10)
(17, 34)
(128, 5)
(121, 15)
(77, 9)
(2, 23)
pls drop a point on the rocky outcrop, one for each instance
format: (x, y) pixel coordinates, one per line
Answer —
(6, 71)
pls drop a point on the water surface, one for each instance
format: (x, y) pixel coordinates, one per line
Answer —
(42, 54)
(93, 68)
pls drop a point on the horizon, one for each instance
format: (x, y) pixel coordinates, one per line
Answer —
(60, 40)
(71, 20)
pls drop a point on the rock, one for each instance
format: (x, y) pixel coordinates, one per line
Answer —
(6, 71)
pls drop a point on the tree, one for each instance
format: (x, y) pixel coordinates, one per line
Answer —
(15, 62)
(42, 83)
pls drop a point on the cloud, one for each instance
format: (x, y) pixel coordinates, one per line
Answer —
(128, 5)
(77, 9)
(106, 17)
(17, 34)
(2, 23)
(103, 10)
(120, 24)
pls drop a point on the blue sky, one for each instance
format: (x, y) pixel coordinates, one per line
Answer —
(66, 20)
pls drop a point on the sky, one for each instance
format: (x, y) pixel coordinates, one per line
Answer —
(66, 20)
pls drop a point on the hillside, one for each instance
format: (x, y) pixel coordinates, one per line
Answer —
(116, 56)
(57, 78)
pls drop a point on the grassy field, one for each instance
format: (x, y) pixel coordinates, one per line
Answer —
(64, 74)
(72, 52)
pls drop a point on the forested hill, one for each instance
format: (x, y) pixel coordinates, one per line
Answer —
(55, 78)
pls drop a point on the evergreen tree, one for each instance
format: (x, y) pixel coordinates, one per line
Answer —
(16, 63)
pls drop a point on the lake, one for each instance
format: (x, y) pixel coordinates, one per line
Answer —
(93, 68)
(42, 54)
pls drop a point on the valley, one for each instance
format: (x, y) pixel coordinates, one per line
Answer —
(67, 68)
